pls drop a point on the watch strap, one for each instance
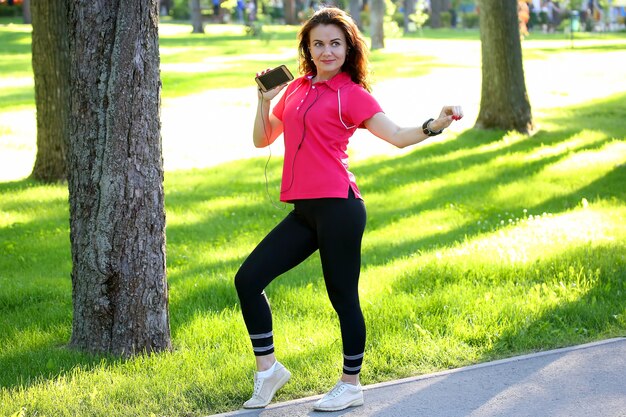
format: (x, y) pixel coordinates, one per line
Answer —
(426, 128)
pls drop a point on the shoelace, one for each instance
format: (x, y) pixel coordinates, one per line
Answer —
(258, 383)
(337, 391)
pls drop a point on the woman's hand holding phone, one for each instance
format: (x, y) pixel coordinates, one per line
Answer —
(272, 81)
(270, 94)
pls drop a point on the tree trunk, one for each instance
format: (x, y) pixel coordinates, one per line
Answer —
(436, 7)
(196, 16)
(409, 9)
(355, 12)
(26, 12)
(504, 102)
(290, 12)
(377, 15)
(115, 178)
(50, 58)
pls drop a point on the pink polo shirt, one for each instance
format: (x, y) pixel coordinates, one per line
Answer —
(318, 121)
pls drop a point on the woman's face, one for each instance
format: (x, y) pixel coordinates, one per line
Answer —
(328, 48)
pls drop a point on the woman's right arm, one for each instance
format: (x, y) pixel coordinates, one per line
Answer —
(267, 127)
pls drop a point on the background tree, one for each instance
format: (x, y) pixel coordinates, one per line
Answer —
(504, 101)
(164, 7)
(377, 17)
(355, 12)
(26, 12)
(289, 8)
(196, 17)
(50, 59)
(408, 7)
(115, 178)
(436, 7)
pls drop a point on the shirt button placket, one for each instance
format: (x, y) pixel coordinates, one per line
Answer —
(302, 101)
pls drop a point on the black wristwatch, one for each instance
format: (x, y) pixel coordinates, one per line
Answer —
(426, 128)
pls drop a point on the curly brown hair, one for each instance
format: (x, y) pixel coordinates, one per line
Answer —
(356, 63)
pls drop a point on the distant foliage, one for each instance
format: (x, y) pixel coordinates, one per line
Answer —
(470, 20)
(10, 11)
(180, 10)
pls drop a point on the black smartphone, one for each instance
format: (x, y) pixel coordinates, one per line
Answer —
(273, 78)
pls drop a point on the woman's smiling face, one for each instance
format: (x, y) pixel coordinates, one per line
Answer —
(328, 47)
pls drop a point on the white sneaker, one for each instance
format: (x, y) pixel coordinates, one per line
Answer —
(341, 397)
(265, 388)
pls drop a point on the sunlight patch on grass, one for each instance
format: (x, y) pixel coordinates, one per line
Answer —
(573, 169)
(522, 241)
(591, 163)
(430, 223)
(513, 242)
(14, 82)
(24, 206)
(8, 218)
(201, 210)
(207, 329)
(509, 139)
(583, 138)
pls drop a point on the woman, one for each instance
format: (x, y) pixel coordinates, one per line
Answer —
(317, 115)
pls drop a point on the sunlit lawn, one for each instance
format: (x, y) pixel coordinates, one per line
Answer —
(227, 58)
(481, 246)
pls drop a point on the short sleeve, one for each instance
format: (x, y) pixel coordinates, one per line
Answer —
(359, 106)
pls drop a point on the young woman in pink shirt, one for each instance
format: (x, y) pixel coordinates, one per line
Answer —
(317, 115)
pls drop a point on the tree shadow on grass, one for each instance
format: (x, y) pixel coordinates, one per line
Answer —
(598, 272)
(599, 313)
(227, 218)
(15, 42)
(421, 165)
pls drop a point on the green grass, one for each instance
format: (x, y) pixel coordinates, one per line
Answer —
(227, 57)
(192, 63)
(480, 246)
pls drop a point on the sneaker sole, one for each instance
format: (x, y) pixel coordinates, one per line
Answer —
(281, 383)
(355, 403)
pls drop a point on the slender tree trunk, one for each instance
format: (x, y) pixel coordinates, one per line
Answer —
(504, 101)
(377, 15)
(117, 215)
(355, 12)
(436, 7)
(196, 16)
(290, 12)
(50, 59)
(26, 11)
(409, 9)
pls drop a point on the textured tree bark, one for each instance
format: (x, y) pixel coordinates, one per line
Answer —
(504, 101)
(115, 178)
(50, 58)
(377, 15)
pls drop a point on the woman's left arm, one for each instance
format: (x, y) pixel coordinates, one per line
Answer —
(382, 126)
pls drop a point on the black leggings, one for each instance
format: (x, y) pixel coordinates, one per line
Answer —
(334, 226)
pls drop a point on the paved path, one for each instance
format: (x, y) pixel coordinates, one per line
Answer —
(581, 381)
